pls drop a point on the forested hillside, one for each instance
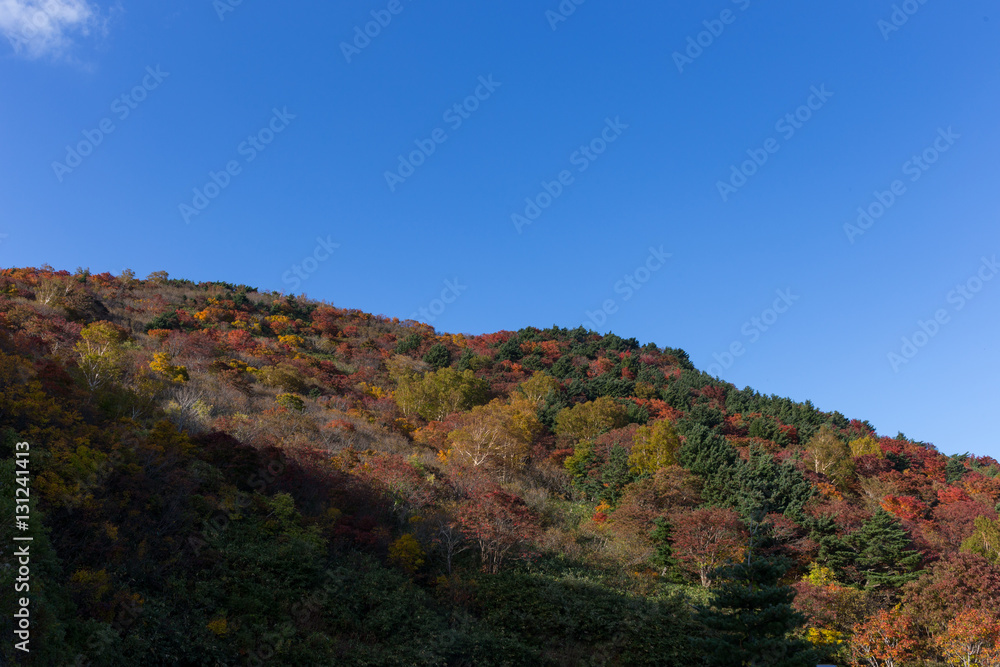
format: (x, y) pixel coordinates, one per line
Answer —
(221, 476)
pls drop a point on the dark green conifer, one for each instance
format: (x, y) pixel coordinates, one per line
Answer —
(750, 621)
(438, 356)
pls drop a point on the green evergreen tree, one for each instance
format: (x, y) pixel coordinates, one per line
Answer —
(438, 356)
(408, 344)
(616, 475)
(761, 486)
(663, 554)
(510, 350)
(750, 621)
(754, 488)
(876, 555)
(701, 413)
(883, 556)
(165, 321)
(705, 452)
(955, 469)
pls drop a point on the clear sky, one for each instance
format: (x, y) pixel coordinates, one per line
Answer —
(676, 170)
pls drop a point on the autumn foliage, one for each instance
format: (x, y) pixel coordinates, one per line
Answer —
(275, 479)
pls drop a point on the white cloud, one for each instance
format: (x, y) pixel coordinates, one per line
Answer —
(37, 28)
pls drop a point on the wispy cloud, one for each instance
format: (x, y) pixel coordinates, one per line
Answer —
(45, 28)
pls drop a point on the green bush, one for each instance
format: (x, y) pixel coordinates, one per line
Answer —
(438, 356)
(164, 321)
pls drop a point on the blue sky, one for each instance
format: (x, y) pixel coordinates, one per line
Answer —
(623, 125)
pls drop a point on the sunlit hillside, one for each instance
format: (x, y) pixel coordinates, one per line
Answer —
(221, 476)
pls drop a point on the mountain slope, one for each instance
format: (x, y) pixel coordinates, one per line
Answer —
(224, 476)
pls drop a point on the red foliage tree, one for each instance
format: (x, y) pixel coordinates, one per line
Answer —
(500, 523)
(955, 583)
(402, 485)
(982, 488)
(828, 605)
(324, 321)
(905, 507)
(677, 488)
(705, 539)
(871, 465)
(954, 521)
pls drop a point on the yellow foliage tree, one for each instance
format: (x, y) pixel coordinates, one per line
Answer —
(496, 434)
(819, 575)
(280, 324)
(654, 446)
(218, 626)
(830, 455)
(290, 402)
(161, 364)
(291, 340)
(436, 395)
(588, 420)
(866, 445)
(100, 353)
(537, 387)
(372, 390)
(406, 552)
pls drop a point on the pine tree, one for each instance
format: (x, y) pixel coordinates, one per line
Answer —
(663, 554)
(762, 486)
(883, 556)
(955, 469)
(705, 452)
(750, 622)
(877, 554)
(754, 488)
(616, 475)
(438, 356)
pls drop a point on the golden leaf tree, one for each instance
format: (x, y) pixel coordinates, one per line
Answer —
(654, 446)
(586, 421)
(496, 435)
(100, 354)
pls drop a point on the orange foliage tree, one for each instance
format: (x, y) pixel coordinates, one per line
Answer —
(886, 639)
(971, 639)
